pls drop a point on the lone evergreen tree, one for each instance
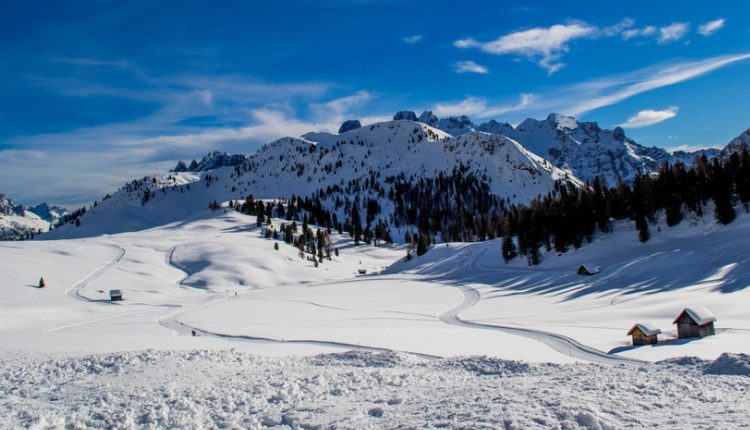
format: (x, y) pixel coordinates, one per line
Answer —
(508, 248)
(41, 283)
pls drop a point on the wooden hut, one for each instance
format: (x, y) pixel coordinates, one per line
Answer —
(695, 321)
(115, 295)
(587, 269)
(644, 334)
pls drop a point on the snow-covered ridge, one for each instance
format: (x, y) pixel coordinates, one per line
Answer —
(213, 160)
(519, 164)
(353, 165)
(21, 222)
(738, 144)
(583, 148)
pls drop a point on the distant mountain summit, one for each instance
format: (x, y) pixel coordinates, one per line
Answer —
(19, 222)
(213, 160)
(583, 148)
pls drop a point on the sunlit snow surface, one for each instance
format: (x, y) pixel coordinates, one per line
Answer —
(413, 324)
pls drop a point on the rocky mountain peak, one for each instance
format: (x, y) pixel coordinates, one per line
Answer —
(350, 124)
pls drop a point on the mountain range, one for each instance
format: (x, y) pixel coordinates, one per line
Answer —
(20, 222)
(363, 162)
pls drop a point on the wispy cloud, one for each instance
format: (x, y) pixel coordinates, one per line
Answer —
(544, 46)
(672, 32)
(649, 30)
(608, 91)
(581, 98)
(711, 27)
(242, 114)
(480, 107)
(649, 117)
(411, 40)
(619, 28)
(470, 67)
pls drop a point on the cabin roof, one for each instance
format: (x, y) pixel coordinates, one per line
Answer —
(589, 268)
(699, 313)
(648, 328)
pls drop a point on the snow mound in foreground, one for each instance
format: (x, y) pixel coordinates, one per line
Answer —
(362, 390)
(729, 364)
(483, 365)
(359, 359)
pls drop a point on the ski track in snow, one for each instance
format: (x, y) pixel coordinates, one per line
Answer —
(172, 322)
(75, 290)
(559, 343)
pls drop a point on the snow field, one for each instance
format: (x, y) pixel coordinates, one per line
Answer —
(361, 390)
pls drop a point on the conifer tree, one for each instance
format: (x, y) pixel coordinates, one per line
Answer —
(357, 227)
(642, 226)
(508, 248)
(423, 243)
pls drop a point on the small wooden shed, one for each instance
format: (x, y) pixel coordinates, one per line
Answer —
(695, 321)
(115, 295)
(644, 334)
(587, 269)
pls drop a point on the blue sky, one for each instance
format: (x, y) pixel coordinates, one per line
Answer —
(93, 94)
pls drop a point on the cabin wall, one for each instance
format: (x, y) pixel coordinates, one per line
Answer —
(644, 340)
(639, 338)
(686, 328)
(706, 330)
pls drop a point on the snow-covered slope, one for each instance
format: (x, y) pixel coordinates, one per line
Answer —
(19, 222)
(356, 163)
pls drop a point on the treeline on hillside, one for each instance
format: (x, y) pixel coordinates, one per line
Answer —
(455, 206)
(458, 206)
(315, 243)
(573, 215)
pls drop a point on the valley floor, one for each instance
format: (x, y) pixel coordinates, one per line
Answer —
(411, 326)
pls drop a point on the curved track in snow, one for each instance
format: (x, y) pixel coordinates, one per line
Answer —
(74, 291)
(172, 321)
(559, 343)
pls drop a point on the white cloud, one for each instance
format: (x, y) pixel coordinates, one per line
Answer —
(466, 43)
(649, 117)
(672, 32)
(711, 27)
(411, 40)
(542, 45)
(639, 32)
(470, 67)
